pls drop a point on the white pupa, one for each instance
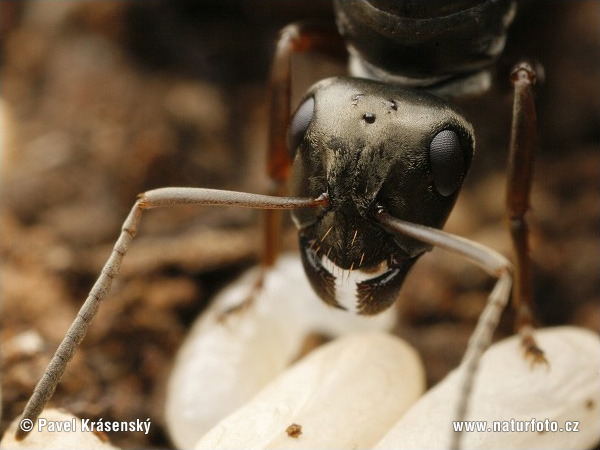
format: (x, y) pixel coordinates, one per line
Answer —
(227, 358)
(344, 395)
(563, 395)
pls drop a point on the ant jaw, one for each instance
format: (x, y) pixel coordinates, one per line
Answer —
(375, 291)
(321, 280)
(375, 295)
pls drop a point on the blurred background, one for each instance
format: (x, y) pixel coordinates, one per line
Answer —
(103, 100)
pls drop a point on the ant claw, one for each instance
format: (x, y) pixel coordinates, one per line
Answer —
(533, 353)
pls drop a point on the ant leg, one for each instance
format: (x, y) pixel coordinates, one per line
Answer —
(294, 38)
(493, 263)
(523, 144)
(150, 199)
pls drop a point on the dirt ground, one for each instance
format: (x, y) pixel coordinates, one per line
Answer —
(103, 100)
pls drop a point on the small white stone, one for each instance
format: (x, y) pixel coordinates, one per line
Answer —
(44, 439)
(507, 388)
(227, 358)
(344, 395)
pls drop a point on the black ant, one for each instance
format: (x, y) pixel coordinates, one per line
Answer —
(374, 167)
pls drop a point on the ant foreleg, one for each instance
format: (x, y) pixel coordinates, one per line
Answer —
(523, 143)
(294, 38)
(493, 263)
(151, 199)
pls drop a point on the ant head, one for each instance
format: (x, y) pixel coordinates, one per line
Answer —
(367, 144)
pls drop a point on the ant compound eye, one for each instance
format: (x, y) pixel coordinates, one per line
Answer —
(299, 124)
(447, 161)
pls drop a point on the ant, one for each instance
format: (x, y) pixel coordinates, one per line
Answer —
(353, 226)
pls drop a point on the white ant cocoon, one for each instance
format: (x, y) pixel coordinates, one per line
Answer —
(345, 394)
(512, 393)
(229, 357)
